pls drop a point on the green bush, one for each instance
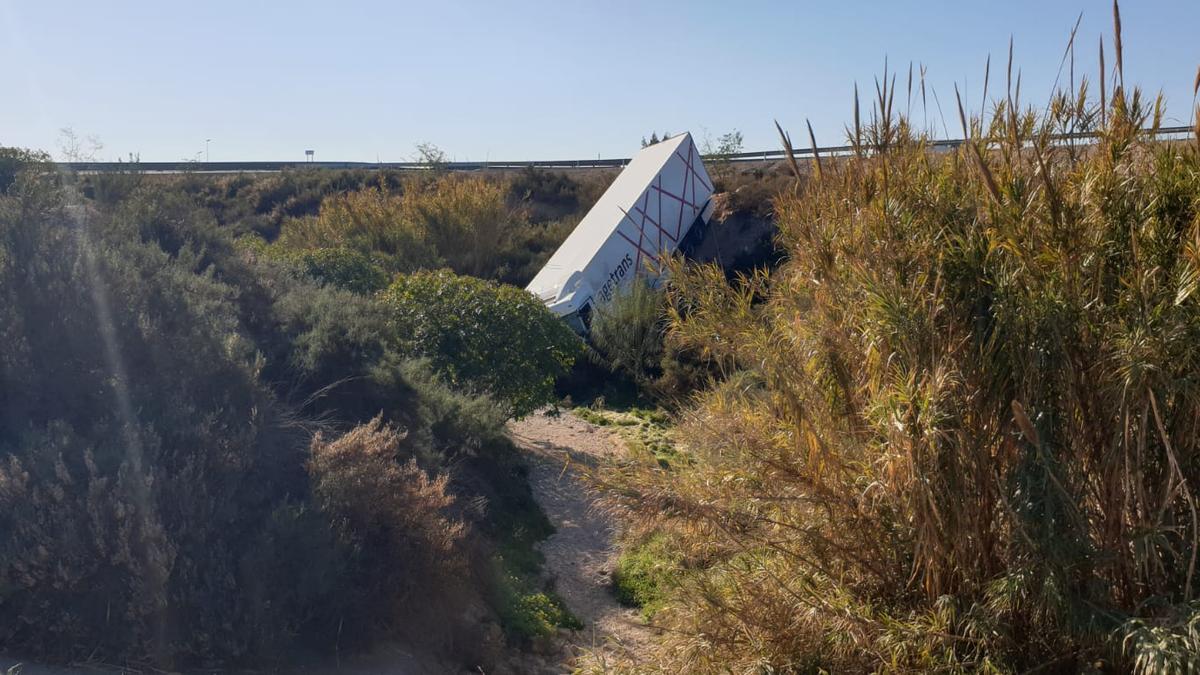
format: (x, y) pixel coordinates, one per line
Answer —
(450, 422)
(529, 614)
(629, 336)
(15, 160)
(496, 339)
(344, 268)
(628, 331)
(645, 575)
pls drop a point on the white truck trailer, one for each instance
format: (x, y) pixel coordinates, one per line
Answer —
(644, 214)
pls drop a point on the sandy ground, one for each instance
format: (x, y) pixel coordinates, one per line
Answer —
(582, 552)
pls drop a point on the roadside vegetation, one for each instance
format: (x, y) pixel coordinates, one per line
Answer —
(225, 443)
(956, 429)
(628, 338)
(943, 418)
(648, 433)
(496, 226)
(482, 336)
(647, 571)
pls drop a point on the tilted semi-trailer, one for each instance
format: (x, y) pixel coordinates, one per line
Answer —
(644, 214)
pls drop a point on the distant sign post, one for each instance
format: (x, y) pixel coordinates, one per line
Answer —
(308, 155)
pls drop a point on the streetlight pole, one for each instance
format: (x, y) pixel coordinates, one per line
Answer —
(206, 142)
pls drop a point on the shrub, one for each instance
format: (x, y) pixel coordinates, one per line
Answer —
(628, 330)
(630, 336)
(645, 574)
(468, 220)
(328, 342)
(963, 434)
(718, 155)
(341, 267)
(370, 221)
(158, 389)
(393, 518)
(527, 615)
(464, 223)
(547, 195)
(496, 339)
(139, 454)
(451, 423)
(16, 160)
(528, 247)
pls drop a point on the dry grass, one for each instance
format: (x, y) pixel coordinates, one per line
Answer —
(468, 219)
(461, 222)
(396, 518)
(370, 220)
(961, 422)
(358, 478)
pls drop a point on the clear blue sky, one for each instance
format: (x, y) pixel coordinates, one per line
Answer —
(535, 79)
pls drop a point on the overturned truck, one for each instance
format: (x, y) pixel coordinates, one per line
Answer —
(653, 204)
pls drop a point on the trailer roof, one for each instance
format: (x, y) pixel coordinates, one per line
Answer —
(588, 239)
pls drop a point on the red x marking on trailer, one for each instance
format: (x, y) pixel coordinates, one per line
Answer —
(645, 238)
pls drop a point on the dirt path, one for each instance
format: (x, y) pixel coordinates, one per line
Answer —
(580, 555)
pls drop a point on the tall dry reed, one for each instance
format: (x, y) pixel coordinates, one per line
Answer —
(962, 421)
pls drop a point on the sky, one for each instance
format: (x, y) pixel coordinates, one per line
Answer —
(528, 79)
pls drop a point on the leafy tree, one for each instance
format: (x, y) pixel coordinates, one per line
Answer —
(730, 143)
(494, 338)
(717, 153)
(431, 156)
